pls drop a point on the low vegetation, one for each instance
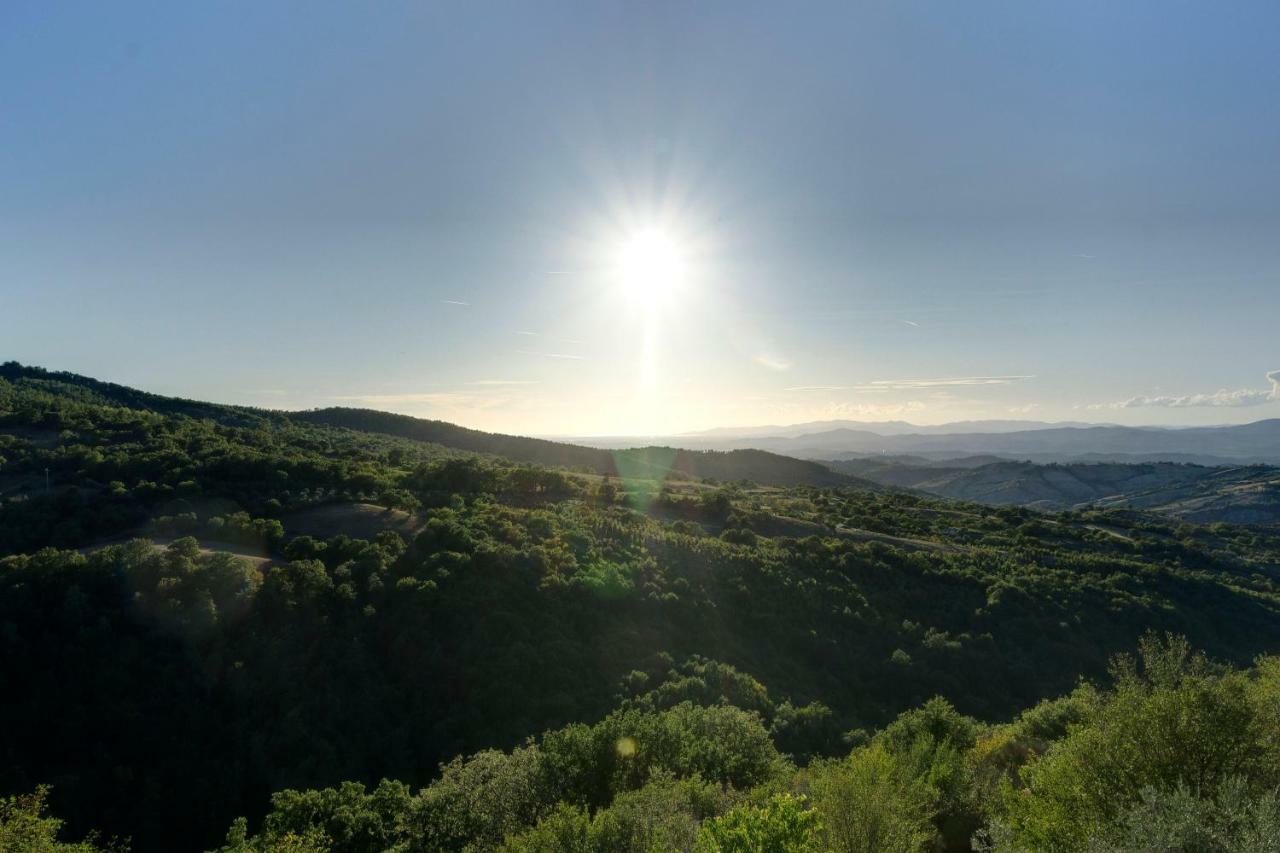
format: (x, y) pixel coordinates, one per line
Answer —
(498, 655)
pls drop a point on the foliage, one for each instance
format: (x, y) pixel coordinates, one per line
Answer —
(346, 818)
(1175, 725)
(871, 803)
(1234, 818)
(614, 659)
(782, 825)
(25, 828)
(665, 814)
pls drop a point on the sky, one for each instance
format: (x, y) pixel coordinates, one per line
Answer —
(644, 218)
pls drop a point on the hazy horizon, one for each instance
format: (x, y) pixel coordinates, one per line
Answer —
(650, 218)
(731, 430)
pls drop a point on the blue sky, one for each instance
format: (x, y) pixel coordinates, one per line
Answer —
(926, 211)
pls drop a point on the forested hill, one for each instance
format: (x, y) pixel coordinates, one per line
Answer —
(203, 620)
(451, 435)
(85, 389)
(755, 465)
(647, 462)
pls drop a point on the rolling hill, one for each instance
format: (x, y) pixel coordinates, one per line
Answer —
(1239, 494)
(644, 462)
(211, 612)
(647, 462)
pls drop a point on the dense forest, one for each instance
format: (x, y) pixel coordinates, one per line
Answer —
(248, 630)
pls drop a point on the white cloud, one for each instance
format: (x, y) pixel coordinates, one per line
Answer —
(797, 412)
(902, 384)
(771, 361)
(437, 399)
(564, 355)
(1222, 398)
(915, 384)
(527, 334)
(502, 382)
(454, 302)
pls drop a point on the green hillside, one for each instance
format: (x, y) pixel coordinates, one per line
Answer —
(648, 462)
(693, 661)
(645, 462)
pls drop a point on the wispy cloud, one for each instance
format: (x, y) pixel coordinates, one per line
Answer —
(1222, 398)
(949, 382)
(441, 399)
(502, 382)
(915, 384)
(771, 361)
(573, 341)
(563, 355)
(795, 412)
(909, 323)
(455, 302)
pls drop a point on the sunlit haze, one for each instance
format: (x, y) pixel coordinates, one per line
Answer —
(650, 218)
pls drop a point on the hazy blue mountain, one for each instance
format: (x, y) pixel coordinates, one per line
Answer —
(1258, 442)
(1241, 494)
(878, 427)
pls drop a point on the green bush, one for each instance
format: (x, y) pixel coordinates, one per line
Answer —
(785, 824)
(871, 803)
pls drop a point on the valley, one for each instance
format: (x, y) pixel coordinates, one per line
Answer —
(327, 600)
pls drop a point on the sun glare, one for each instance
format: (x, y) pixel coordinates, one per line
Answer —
(652, 265)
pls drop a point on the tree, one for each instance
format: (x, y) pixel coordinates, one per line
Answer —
(1170, 724)
(785, 824)
(25, 828)
(871, 803)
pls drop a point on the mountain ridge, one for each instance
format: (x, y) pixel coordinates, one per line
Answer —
(1246, 494)
(750, 464)
(1256, 442)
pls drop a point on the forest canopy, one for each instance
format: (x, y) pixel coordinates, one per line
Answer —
(247, 629)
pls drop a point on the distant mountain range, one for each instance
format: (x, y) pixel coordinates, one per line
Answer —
(1198, 473)
(1258, 442)
(1242, 494)
(878, 427)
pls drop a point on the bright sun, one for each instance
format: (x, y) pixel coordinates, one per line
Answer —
(652, 264)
